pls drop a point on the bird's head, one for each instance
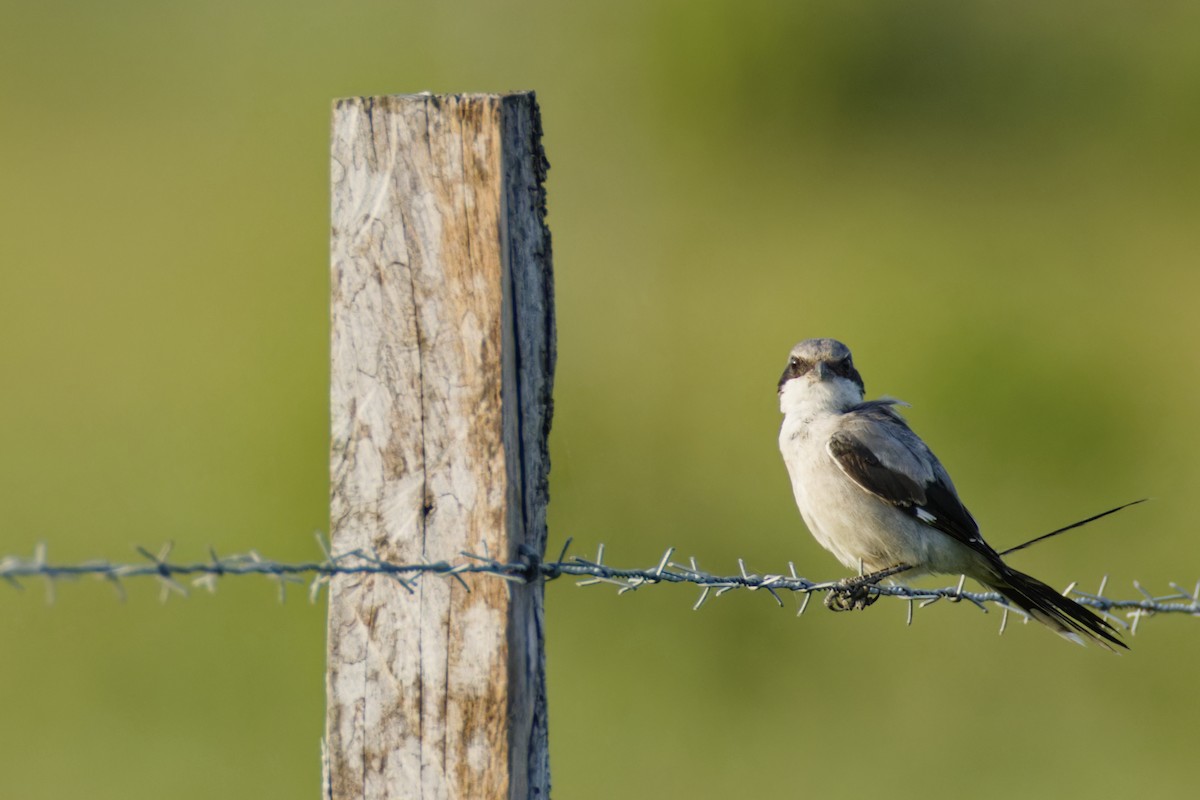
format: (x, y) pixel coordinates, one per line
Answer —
(820, 376)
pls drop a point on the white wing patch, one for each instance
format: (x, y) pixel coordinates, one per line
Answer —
(925, 516)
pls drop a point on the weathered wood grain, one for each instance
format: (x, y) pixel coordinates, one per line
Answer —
(442, 363)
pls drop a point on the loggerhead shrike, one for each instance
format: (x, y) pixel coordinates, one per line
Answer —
(873, 494)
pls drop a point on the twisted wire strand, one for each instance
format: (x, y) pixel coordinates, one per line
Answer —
(530, 567)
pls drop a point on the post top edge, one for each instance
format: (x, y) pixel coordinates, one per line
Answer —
(435, 97)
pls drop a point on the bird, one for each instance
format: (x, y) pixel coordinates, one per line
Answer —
(873, 494)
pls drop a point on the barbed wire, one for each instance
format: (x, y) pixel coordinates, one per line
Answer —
(530, 567)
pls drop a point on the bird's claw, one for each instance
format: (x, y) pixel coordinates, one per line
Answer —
(850, 594)
(854, 594)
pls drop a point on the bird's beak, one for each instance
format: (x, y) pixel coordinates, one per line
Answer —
(822, 370)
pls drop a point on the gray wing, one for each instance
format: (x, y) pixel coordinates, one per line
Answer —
(876, 449)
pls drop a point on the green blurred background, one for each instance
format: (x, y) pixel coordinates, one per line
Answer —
(995, 204)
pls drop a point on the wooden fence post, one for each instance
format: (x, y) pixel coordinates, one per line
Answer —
(442, 363)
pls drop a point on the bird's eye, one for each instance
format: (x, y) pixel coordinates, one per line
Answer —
(798, 366)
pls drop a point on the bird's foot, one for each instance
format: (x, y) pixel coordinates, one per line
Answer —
(854, 594)
(850, 594)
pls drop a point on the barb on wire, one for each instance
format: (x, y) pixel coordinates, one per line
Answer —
(530, 567)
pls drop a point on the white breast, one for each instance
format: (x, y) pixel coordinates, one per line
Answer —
(859, 528)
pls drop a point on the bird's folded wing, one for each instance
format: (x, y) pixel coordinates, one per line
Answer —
(876, 449)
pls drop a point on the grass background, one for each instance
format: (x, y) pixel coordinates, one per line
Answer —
(993, 203)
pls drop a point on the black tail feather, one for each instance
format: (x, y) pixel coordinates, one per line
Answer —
(1054, 610)
(1072, 526)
